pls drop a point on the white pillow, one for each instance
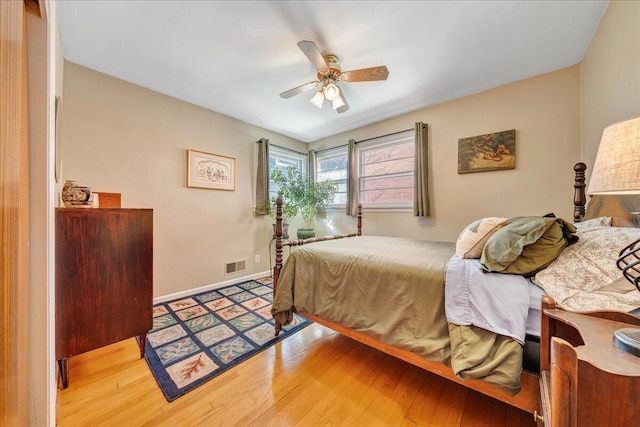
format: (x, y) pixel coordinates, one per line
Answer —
(475, 235)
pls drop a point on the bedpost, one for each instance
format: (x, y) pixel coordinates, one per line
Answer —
(579, 197)
(359, 219)
(547, 330)
(278, 266)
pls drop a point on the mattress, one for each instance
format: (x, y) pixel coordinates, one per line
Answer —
(534, 314)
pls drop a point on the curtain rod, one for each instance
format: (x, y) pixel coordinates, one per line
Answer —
(382, 136)
(368, 139)
(343, 145)
(285, 148)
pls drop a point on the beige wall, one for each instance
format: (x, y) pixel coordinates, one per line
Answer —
(544, 111)
(610, 75)
(119, 137)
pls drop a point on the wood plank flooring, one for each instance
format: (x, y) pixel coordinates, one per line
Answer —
(314, 378)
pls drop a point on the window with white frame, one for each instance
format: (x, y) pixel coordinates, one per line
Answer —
(385, 170)
(331, 164)
(282, 158)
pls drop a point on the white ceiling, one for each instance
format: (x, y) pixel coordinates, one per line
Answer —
(235, 57)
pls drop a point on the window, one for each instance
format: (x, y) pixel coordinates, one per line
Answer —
(332, 164)
(385, 170)
(282, 158)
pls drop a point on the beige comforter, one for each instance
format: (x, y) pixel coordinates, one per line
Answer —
(393, 290)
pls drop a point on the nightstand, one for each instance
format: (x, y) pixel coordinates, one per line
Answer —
(585, 379)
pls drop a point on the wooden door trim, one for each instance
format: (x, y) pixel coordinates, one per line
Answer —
(14, 216)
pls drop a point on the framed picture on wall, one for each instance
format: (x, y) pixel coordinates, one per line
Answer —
(212, 171)
(490, 152)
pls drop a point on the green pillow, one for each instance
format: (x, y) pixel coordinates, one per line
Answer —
(526, 245)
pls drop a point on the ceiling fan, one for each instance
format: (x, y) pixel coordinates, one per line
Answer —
(329, 74)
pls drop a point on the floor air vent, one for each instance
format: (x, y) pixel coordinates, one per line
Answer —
(234, 267)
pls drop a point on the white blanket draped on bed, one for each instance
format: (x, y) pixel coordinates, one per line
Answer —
(492, 301)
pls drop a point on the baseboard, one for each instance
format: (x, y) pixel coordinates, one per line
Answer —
(205, 288)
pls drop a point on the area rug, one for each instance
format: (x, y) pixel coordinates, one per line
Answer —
(198, 337)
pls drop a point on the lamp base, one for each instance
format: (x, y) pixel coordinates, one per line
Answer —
(628, 339)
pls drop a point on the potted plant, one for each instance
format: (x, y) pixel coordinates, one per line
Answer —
(317, 196)
(302, 196)
(289, 208)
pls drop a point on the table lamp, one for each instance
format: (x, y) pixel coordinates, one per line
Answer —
(617, 171)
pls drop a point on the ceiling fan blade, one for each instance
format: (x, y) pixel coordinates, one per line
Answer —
(366, 74)
(345, 107)
(302, 88)
(313, 53)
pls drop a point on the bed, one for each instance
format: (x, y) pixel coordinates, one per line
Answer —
(381, 308)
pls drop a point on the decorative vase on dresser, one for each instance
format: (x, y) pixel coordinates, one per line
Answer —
(76, 196)
(104, 279)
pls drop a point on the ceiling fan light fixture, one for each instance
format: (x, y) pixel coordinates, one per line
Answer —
(318, 99)
(337, 103)
(331, 92)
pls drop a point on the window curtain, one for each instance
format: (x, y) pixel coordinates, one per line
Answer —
(352, 180)
(421, 205)
(262, 178)
(311, 167)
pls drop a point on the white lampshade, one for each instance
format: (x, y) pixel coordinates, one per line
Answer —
(331, 91)
(617, 171)
(617, 166)
(318, 99)
(337, 103)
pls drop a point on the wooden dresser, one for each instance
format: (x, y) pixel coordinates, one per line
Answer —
(104, 279)
(585, 379)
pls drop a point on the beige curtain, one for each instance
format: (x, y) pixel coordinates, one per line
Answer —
(421, 205)
(262, 178)
(353, 189)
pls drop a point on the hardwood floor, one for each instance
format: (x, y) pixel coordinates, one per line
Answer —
(315, 377)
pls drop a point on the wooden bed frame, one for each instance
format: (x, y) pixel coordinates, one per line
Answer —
(528, 399)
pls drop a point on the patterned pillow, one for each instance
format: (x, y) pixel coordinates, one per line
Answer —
(585, 276)
(603, 221)
(475, 235)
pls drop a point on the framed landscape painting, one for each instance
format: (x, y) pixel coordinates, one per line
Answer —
(490, 152)
(212, 171)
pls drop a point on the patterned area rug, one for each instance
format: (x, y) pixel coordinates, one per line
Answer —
(198, 337)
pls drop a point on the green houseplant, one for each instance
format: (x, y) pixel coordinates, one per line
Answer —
(317, 196)
(289, 208)
(302, 196)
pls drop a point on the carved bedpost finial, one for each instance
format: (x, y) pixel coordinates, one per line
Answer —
(359, 219)
(579, 197)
